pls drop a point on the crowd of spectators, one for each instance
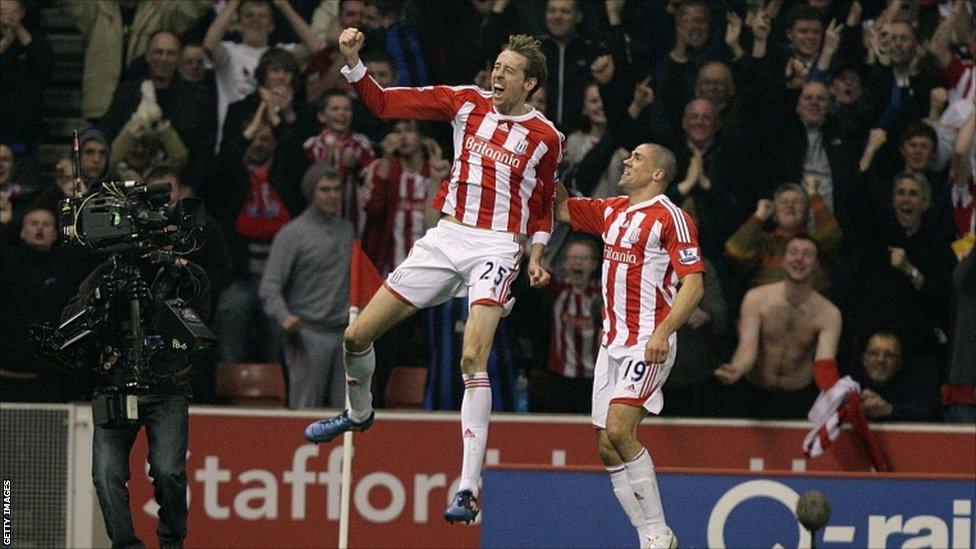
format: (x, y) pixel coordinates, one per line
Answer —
(825, 150)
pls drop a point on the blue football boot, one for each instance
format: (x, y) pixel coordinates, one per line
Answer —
(325, 430)
(464, 507)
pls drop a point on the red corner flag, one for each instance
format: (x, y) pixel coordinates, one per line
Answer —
(364, 281)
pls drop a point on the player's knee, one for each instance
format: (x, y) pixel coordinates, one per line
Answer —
(618, 435)
(354, 338)
(474, 358)
(608, 454)
(469, 362)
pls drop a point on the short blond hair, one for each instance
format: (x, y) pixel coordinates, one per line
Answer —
(531, 49)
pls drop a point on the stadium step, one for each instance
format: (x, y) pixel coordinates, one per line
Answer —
(54, 18)
(70, 45)
(61, 102)
(67, 72)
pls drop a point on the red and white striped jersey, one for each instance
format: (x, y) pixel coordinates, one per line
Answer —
(647, 248)
(504, 170)
(333, 148)
(395, 209)
(575, 334)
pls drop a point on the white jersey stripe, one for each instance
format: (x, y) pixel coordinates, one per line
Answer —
(620, 302)
(529, 180)
(472, 200)
(459, 123)
(488, 125)
(503, 193)
(681, 228)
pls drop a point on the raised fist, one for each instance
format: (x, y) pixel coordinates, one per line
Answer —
(350, 42)
(897, 257)
(764, 209)
(876, 138)
(602, 69)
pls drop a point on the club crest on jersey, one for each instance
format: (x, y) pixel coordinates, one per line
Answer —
(633, 235)
(521, 146)
(688, 256)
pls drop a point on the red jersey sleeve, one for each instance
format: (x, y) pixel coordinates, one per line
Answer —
(541, 218)
(681, 240)
(428, 103)
(586, 214)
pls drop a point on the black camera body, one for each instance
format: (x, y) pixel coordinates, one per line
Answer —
(132, 329)
(129, 215)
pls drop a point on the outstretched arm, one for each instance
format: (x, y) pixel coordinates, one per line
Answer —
(429, 103)
(829, 335)
(876, 139)
(825, 361)
(746, 353)
(211, 42)
(301, 27)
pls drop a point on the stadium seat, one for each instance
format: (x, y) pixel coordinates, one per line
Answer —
(405, 388)
(251, 384)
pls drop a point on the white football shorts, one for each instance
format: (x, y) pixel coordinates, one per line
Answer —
(623, 376)
(451, 257)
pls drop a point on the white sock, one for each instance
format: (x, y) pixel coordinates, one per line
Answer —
(643, 482)
(475, 411)
(625, 495)
(359, 376)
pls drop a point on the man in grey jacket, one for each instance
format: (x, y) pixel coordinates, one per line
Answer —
(305, 288)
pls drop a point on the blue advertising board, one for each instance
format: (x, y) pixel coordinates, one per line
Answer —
(577, 508)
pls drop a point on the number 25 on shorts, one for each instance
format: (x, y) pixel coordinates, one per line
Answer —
(499, 272)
